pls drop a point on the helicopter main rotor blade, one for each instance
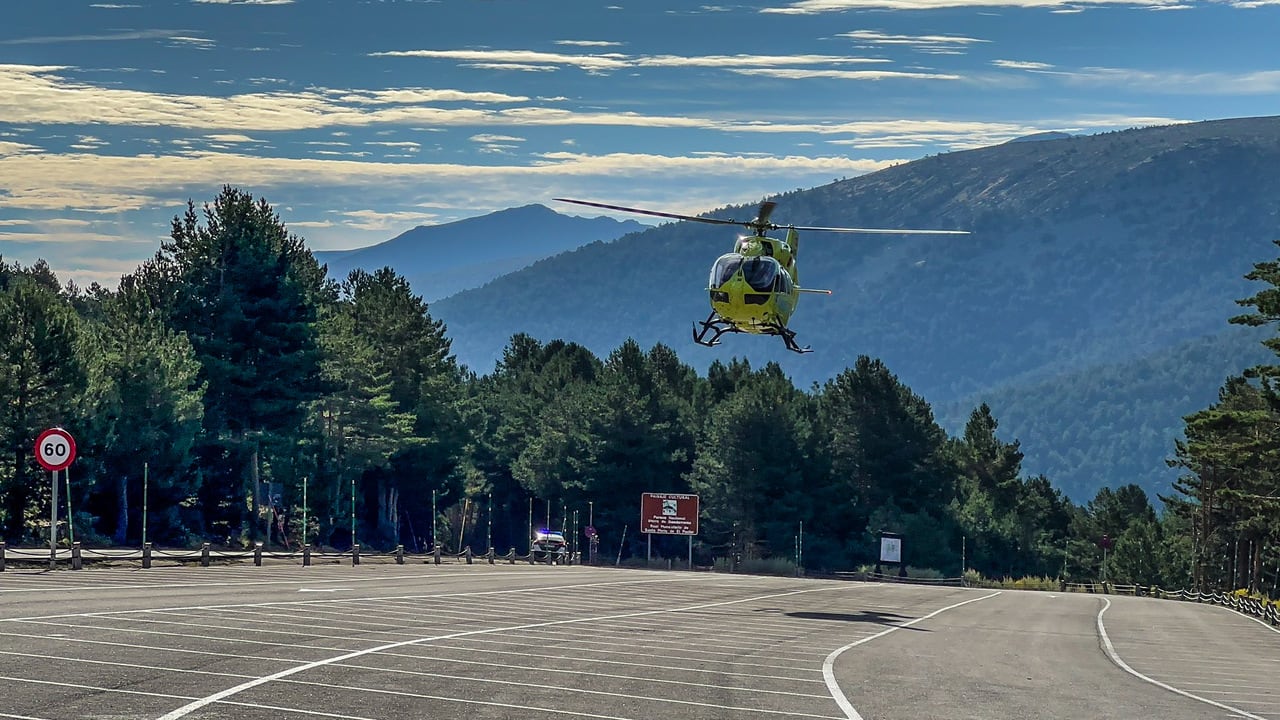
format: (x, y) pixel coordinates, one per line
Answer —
(655, 213)
(875, 231)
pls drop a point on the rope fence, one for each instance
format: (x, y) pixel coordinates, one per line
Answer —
(76, 556)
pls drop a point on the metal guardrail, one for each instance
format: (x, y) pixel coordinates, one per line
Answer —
(76, 556)
(1266, 611)
(885, 577)
(1253, 607)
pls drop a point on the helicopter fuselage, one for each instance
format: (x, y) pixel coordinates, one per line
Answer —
(754, 288)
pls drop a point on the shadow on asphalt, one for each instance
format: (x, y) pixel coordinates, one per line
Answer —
(866, 616)
(874, 617)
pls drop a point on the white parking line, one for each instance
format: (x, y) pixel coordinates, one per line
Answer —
(828, 665)
(1115, 658)
(222, 695)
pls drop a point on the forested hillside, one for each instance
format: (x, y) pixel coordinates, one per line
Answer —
(227, 392)
(1086, 251)
(1114, 420)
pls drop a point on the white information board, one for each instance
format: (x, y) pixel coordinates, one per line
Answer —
(890, 549)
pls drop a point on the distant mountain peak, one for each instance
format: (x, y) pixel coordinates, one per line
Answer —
(1047, 135)
(439, 260)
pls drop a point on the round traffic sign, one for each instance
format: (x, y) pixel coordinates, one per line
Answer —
(55, 449)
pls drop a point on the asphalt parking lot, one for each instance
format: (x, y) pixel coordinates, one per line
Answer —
(394, 642)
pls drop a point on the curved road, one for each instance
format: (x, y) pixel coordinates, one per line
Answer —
(389, 642)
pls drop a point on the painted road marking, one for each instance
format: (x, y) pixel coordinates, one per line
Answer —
(1115, 658)
(828, 665)
(222, 695)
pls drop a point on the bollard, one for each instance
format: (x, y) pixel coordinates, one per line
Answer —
(511, 557)
(306, 555)
(468, 554)
(400, 554)
(436, 552)
(1, 557)
(146, 555)
(355, 554)
(490, 555)
(257, 554)
(204, 555)
(77, 562)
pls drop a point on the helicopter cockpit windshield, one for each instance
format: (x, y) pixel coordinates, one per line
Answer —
(759, 272)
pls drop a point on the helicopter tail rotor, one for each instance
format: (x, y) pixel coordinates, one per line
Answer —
(761, 223)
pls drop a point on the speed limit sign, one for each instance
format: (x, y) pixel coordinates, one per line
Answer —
(55, 449)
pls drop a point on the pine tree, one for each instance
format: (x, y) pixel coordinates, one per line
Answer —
(246, 293)
(40, 375)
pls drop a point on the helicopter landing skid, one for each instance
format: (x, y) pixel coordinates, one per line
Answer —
(717, 326)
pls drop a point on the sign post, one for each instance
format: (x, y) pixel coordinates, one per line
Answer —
(669, 514)
(891, 551)
(55, 450)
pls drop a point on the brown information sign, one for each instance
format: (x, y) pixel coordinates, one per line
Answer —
(669, 514)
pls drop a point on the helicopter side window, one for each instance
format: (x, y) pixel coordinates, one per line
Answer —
(782, 283)
(760, 272)
(724, 269)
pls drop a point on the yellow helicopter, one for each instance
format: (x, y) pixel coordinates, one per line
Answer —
(754, 289)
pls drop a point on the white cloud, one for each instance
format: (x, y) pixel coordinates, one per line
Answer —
(1021, 65)
(15, 148)
(109, 184)
(593, 63)
(490, 138)
(191, 40)
(922, 43)
(232, 138)
(378, 220)
(517, 67)
(805, 73)
(589, 43)
(120, 35)
(43, 96)
(1264, 82)
(413, 96)
(61, 237)
(600, 63)
(734, 62)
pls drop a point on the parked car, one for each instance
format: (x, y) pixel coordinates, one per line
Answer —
(549, 546)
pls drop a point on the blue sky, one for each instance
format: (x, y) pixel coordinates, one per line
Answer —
(360, 119)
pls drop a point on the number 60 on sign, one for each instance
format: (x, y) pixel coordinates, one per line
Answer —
(55, 449)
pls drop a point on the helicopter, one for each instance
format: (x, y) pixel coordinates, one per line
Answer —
(754, 289)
